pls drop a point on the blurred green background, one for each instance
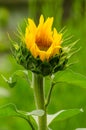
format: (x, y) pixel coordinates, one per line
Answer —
(69, 13)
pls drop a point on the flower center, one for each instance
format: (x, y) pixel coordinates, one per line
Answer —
(43, 44)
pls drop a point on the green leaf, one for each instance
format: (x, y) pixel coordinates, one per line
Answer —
(11, 110)
(70, 77)
(8, 110)
(63, 114)
(24, 74)
(80, 129)
(13, 79)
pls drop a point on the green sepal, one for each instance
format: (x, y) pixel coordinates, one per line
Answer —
(55, 63)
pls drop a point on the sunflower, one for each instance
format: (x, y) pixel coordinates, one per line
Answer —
(39, 48)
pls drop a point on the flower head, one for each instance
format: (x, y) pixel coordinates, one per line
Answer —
(41, 40)
(39, 48)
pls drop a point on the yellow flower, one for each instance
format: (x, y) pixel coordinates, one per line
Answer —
(41, 40)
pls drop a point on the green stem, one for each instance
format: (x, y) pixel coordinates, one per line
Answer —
(38, 86)
(49, 94)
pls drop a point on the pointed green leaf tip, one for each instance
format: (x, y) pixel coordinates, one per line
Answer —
(63, 114)
(11, 81)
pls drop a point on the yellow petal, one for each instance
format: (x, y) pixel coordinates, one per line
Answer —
(29, 39)
(40, 27)
(47, 31)
(41, 40)
(56, 50)
(32, 26)
(57, 37)
(34, 50)
(41, 20)
(50, 51)
(42, 55)
(48, 23)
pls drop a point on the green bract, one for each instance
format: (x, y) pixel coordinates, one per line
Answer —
(25, 58)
